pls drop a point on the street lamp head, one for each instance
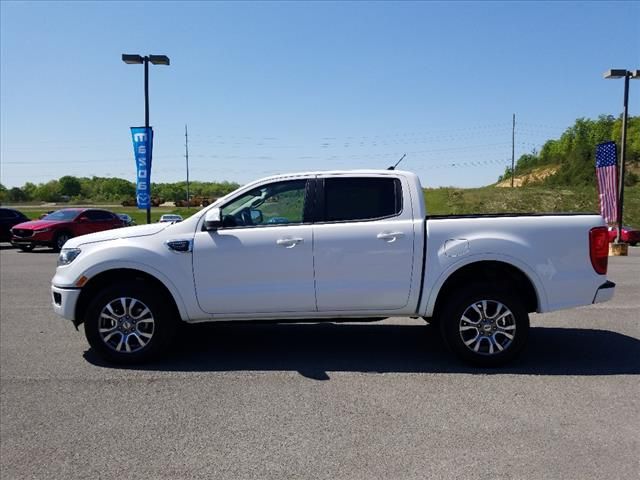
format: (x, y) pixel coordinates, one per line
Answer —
(635, 74)
(131, 59)
(615, 73)
(159, 59)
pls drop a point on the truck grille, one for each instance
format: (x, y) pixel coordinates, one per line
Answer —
(22, 233)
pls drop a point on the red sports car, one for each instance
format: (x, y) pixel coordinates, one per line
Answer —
(58, 227)
(629, 235)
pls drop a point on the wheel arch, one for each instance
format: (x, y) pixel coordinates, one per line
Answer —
(494, 272)
(54, 238)
(113, 275)
(69, 231)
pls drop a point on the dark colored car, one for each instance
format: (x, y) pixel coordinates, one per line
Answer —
(9, 218)
(629, 235)
(58, 227)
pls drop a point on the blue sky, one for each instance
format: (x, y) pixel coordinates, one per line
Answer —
(276, 87)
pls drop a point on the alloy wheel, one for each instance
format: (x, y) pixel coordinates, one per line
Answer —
(126, 325)
(487, 327)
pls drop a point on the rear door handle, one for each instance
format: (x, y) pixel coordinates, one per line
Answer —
(389, 237)
(289, 242)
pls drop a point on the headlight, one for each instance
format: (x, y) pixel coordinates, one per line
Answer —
(68, 255)
(41, 231)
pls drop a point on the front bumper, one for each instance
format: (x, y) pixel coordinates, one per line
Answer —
(17, 241)
(64, 301)
(605, 292)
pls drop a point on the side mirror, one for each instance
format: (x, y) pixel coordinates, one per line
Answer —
(213, 219)
(83, 219)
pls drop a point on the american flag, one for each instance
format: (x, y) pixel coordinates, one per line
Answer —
(607, 173)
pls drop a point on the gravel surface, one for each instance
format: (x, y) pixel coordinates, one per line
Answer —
(357, 401)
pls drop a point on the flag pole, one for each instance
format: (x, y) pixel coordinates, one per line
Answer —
(622, 156)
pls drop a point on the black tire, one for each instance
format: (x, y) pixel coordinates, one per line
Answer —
(26, 248)
(122, 330)
(493, 346)
(60, 239)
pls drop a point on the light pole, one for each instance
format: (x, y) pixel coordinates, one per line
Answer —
(156, 60)
(626, 74)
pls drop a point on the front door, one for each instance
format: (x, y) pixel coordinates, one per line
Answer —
(261, 260)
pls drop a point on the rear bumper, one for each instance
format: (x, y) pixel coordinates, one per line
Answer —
(605, 292)
(64, 301)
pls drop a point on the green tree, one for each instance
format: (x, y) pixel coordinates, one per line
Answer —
(70, 186)
(16, 195)
(29, 189)
(48, 192)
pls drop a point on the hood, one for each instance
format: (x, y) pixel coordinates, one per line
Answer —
(38, 224)
(116, 233)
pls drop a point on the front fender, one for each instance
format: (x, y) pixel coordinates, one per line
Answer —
(100, 259)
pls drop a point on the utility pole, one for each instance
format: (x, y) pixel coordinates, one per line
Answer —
(513, 149)
(186, 156)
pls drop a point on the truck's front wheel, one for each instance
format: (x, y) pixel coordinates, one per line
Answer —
(129, 323)
(485, 326)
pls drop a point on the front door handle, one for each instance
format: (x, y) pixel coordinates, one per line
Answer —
(389, 237)
(289, 242)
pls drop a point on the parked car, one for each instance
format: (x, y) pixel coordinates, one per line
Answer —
(127, 221)
(629, 235)
(58, 227)
(8, 218)
(170, 218)
(355, 245)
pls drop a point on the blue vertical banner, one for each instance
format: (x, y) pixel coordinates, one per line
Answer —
(142, 146)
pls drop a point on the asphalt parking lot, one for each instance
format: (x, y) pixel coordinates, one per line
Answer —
(363, 401)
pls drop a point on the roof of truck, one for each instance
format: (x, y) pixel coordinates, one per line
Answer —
(370, 171)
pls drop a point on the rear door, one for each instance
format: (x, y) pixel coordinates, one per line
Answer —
(363, 243)
(99, 220)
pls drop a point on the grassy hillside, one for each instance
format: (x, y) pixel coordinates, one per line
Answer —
(572, 156)
(526, 199)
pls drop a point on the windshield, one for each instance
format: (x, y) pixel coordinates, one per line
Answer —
(62, 215)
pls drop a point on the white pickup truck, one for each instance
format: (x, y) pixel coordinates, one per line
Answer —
(331, 246)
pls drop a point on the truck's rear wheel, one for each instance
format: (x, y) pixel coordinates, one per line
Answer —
(129, 323)
(485, 326)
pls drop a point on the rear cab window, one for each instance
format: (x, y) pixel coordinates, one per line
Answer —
(361, 199)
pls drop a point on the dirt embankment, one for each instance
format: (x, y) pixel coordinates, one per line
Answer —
(534, 176)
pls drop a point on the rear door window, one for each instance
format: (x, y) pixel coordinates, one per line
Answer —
(365, 198)
(98, 215)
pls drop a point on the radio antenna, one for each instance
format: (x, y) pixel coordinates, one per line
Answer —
(397, 163)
